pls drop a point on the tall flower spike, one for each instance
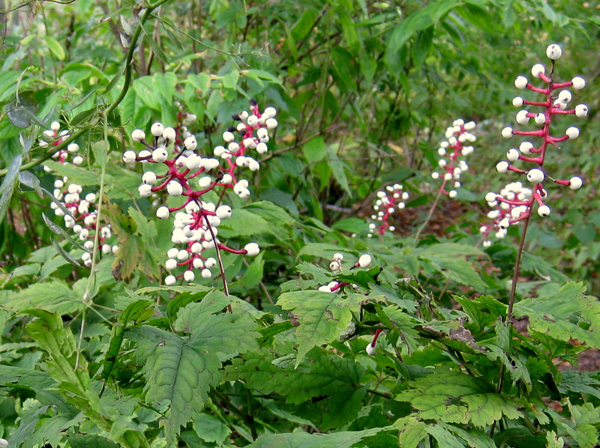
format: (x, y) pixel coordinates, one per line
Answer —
(389, 200)
(452, 152)
(179, 171)
(555, 102)
(82, 215)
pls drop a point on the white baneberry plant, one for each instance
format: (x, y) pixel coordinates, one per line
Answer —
(177, 169)
(81, 214)
(452, 152)
(555, 101)
(388, 202)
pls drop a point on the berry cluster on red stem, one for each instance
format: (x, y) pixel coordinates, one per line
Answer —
(181, 172)
(552, 105)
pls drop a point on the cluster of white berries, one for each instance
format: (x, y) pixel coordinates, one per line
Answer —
(336, 266)
(389, 200)
(527, 151)
(459, 137)
(54, 137)
(181, 172)
(82, 216)
(510, 206)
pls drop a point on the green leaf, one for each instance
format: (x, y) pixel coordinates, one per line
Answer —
(315, 151)
(100, 150)
(448, 250)
(145, 90)
(325, 250)
(304, 24)
(22, 112)
(582, 425)
(349, 29)
(55, 296)
(335, 381)
(211, 429)
(342, 439)
(145, 227)
(417, 21)
(454, 397)
(260, 75)
(90, 441)
(410, 431)
(9, 184)
(75, 174)
(344, 69)
(201, 81)
(322, 316)
(138, 312)
(64, 363)
(230, 80)
(569, 314)
(227, 334)
(55, 47)
(175, 370)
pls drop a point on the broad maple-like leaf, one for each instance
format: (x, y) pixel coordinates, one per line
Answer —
(322, 316)
(176, 370)
(454, 397)
(569, 314)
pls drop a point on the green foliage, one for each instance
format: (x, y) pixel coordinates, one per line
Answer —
(279, 350)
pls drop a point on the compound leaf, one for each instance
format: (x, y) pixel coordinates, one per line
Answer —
(176, 370)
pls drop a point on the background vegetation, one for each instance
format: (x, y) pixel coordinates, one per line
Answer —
(364, 92)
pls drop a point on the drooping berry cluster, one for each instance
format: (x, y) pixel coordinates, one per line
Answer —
(388, 202)
(54, 137)
(456, 146)
(528, 152)
(364, 261)
(82, 215)
(507, 205)
(181, 172)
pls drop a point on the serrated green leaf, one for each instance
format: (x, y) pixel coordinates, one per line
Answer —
(145, 227)
(138, 312)
(75, 174)
(410, 431)
(90, 441)
(342, 439)
(176, 371)
(49, 332)
(334, 380)
(55, 296)
(453, 397)
(582, 425)
(322, 316)
(557, 316)
(326, 374)
(317, 276)
(211, 429)
(227, 334)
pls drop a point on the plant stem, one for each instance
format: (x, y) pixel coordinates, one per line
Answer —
(431, 210)
(511, 302)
